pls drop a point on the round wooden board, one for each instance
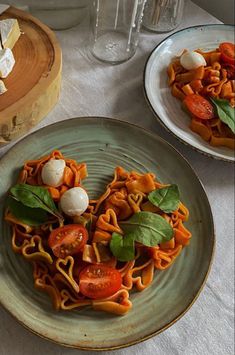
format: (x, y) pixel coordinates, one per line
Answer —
(34, 83)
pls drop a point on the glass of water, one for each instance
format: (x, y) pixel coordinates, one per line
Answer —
(163, 15)
(115, 27)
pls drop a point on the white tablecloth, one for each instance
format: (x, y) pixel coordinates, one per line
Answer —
(90, 88)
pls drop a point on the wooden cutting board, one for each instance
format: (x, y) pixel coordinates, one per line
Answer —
(34, 83)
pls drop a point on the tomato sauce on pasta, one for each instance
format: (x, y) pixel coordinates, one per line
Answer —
(65, 277)
(215, 80)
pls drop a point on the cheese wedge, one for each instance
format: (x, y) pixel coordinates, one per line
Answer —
(2, 87)
(7, 62)
(9, 32)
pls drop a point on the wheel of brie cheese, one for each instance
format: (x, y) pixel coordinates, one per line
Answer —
(30, 73)
(9, 34)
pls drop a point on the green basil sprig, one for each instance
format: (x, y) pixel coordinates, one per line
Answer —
(166, 198)
(225, 112)
(31, 204)
(147, 228)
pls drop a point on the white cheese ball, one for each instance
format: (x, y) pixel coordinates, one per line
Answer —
(192, 60)
(53, 172)
(74, 201)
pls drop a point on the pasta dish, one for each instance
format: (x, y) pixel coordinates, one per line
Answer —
(88, 252)
(205, 83)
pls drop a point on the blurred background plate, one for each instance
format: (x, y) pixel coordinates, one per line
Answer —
(104, 144)
(158, 93)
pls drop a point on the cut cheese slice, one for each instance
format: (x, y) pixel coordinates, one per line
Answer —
(2, 87)
(7, 62)
(9, 32)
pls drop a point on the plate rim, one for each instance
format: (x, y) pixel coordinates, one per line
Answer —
(201, 151)
(212, 237)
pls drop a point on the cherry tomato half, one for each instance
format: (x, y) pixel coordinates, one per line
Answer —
(99, 281)
(68, 240)
(227, 50)
(199, 106)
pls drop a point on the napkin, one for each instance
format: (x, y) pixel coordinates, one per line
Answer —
(3, 8)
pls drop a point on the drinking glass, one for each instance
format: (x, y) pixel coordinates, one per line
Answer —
(163, 15)
(115, 27)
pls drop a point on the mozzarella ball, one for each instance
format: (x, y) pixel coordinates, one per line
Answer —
(53, 172)
(74, 201)
(192, 60)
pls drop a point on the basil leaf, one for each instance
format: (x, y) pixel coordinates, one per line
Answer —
(225, 112)
(166, 198)
(148, 228)
(34, 197)
(123, 248)
(33, 217)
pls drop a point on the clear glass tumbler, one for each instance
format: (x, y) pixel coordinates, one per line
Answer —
(163, 15)
(115, 29)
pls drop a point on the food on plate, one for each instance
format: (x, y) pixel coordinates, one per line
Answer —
(94, 252)
(192, 60)
(74, 202)
(9, 34)
(205, 83)
(53, 172)
(7, 62)
(2, 87)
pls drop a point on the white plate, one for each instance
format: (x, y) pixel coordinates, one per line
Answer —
(165, 106)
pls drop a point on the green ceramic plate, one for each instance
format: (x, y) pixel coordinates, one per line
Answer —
(105, 143)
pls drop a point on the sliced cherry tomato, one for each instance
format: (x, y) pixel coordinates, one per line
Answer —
(199, 106)
(68, 240)
(99, 281)
(227, 50)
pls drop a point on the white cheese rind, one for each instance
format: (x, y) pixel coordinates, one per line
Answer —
(7, 62)
(9, 32)
(3, 88)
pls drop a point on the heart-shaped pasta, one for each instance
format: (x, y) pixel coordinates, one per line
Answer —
(108, 222)
(144, 276)
(34, 250)
(118, 304)
(62, 283)
(119, 203)
(70, 302)
(46, 284)
(94, 205)
(19, 239)
(119, 179)
(65, 267)
(135, 201)
(164, 258)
